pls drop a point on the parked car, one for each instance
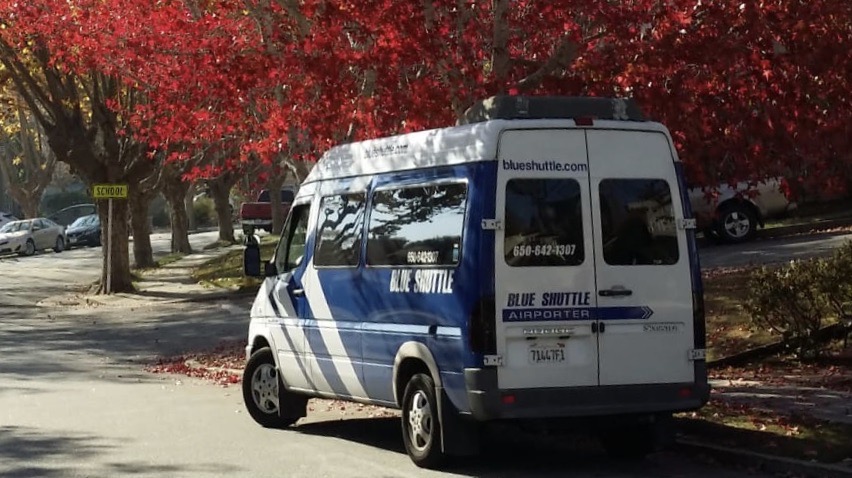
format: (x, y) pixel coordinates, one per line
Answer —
(5, 218)
(259, 213)
(734, 215)
(85, 231)
(71, 213)
(31, 235)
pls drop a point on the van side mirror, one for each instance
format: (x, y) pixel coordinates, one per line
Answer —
(251, 260)
(252, 263)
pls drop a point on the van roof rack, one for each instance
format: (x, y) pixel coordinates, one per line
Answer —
(552, 107)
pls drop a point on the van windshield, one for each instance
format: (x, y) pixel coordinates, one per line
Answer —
(544, 223)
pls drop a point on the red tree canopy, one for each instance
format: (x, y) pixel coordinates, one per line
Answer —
(748, 90)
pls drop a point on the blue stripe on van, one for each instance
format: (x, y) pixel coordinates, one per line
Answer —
(699, 323)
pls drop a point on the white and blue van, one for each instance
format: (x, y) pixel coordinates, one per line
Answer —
(537, 261)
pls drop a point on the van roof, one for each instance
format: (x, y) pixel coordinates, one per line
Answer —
(462, 144)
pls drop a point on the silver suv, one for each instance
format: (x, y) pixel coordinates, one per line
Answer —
(735, 213)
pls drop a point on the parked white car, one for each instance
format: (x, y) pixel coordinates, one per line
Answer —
(31, 235)
(6, 218)
(734, 215)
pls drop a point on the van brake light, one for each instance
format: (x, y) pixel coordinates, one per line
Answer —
(584, 121)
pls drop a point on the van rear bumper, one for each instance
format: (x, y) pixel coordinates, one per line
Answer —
(487, 401)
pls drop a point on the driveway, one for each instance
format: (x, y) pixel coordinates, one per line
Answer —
(771, 251)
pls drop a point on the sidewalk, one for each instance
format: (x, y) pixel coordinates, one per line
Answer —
(167, 284)
(823, 404)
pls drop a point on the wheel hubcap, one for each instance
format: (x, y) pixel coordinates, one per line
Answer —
(30, 248)
(264, 388)
(737, 224)
(420, 421)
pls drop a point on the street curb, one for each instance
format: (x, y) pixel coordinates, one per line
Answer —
(218, 296)
(771, 463)
(802, 228)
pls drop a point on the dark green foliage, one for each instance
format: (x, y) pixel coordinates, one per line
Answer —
(800, 299)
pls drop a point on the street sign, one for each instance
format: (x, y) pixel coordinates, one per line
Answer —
(109, 191)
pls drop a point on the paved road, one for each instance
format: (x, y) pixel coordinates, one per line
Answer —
(772, 250)
(75, 401)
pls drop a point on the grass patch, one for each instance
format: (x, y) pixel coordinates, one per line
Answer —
(227, 271)
(729, 327)
(170, 259)
(765, 431)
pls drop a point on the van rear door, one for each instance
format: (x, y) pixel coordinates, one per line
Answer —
(644, 290)
(544, 261)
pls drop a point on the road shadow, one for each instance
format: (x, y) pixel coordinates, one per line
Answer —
(21, 449)
(44, 344)
(506, 451)
(30, 452)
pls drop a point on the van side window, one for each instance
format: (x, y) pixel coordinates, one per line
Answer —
(544, 223)
(291, 249)
(637, 222)
(339, 230)
(417, 225)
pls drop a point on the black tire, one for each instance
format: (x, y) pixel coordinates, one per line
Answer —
(29, 248)
(263, 390)
(737, 223)
(629, 442)
(421, 424)
(59, 246)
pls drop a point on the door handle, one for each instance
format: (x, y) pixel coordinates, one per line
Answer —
(615, 292)
(298, 292)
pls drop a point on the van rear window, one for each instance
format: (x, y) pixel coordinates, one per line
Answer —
(544, 223)
(417, 225)
(637, 222)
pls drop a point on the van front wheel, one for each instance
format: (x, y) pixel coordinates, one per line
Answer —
(262, 390)
(421, 427)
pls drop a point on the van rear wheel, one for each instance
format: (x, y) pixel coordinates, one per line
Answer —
(263, 390)
(421, 426)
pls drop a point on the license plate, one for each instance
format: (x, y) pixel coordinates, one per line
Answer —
(72, 240)
(545, 354)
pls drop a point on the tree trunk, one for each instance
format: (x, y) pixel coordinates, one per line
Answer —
(189, 202)
(120, 278)
(274, 186)
(29, 205)
(180, 226)
(143, 254)
(220, 189)
(175, 196)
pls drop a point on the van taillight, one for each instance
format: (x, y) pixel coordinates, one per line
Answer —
(481, 327)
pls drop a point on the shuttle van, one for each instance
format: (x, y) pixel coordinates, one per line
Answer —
(536, 261)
